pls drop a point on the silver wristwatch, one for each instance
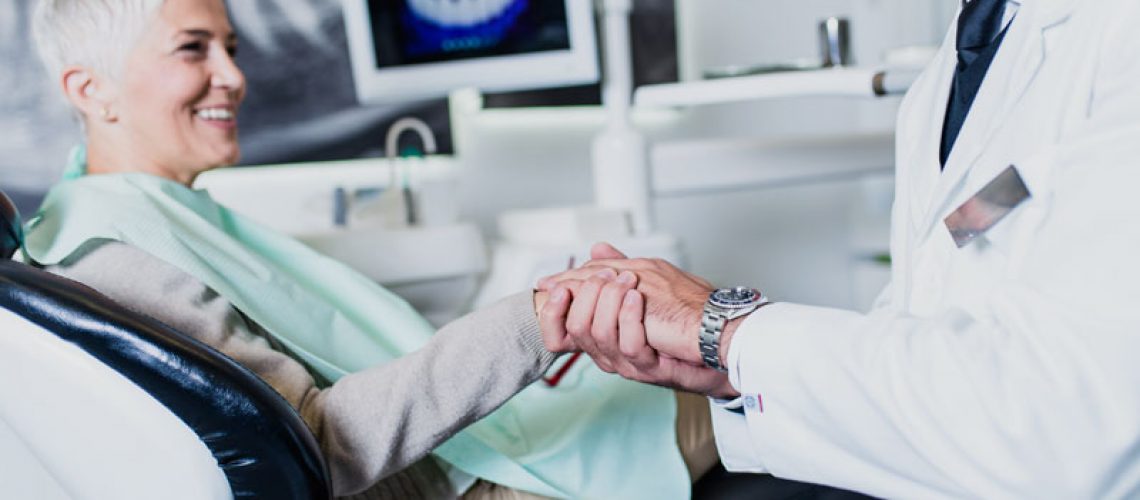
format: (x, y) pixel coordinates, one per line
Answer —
(724, 305)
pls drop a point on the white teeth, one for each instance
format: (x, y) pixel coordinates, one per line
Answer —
(216, 114)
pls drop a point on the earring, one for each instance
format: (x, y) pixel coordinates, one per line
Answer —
(105, 114)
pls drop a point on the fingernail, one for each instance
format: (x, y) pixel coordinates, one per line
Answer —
(607, 274)
(626, 278)
(559, 295)
(630, 297)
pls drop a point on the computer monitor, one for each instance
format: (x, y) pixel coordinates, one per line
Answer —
(416, 49)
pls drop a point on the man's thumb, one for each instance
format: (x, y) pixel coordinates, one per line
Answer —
(605, 251)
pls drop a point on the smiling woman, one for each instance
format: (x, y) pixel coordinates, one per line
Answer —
(379, 387)
(172, 110)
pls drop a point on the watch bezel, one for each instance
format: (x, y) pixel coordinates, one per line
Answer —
(730, 300)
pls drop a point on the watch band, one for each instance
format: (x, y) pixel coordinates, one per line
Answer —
(712, 325)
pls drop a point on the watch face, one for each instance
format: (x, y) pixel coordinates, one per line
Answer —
(735, 298)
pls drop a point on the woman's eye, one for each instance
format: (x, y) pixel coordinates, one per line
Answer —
(232, 50)
(192, 47)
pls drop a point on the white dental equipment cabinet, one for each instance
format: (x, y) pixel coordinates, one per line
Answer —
(808, 179)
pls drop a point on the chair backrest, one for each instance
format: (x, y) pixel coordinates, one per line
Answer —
(252, 435)
(71, 427)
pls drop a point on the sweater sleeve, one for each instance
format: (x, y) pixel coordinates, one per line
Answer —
(372, 423)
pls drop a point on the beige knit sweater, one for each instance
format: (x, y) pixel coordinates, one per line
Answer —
(376, 427)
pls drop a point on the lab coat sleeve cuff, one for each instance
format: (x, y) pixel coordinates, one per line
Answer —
(775, 338)
(772, 337)
(765, 360)
(737, 452)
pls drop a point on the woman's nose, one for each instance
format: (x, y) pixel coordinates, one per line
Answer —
(227, 75)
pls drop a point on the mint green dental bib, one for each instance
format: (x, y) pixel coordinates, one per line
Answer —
(594, 436)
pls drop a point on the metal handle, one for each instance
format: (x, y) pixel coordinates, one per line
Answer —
(835, 42)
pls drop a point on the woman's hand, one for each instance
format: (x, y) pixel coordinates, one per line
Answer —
(599, 311)
(674, 300)
(572, 307)
(552, 303)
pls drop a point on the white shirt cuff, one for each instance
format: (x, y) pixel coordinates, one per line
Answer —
(730, 426)
(732, 438)
(728, 404)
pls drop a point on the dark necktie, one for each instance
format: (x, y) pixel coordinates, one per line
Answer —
(980, 34)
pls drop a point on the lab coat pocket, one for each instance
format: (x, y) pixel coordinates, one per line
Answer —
(1012, 236)
(982, 211)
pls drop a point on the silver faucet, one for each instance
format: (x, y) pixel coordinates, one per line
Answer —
(426, 136)
(342, 198)
(403, 125)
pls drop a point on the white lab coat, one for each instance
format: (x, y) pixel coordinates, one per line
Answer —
(1008, 368)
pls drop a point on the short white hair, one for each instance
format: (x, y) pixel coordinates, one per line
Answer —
(97, 34)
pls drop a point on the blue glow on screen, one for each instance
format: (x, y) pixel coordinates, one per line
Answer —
(409, 32)
(429, 36)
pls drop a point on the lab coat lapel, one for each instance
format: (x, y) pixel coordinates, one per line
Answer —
(919, 163)
(1016, 66)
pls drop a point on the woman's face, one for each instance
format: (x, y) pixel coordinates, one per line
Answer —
(180, 91)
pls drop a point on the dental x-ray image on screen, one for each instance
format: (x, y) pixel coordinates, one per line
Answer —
(426, 31)
(415, 49)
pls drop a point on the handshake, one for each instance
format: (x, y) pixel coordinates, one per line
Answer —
(639, 318)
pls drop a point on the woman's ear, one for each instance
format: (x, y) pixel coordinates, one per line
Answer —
(83, 90)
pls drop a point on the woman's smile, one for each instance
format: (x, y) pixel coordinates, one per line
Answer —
(220, 116)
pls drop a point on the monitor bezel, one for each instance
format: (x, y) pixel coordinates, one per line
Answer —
(577, 65)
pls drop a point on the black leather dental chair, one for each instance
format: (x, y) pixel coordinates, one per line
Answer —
(99, 402)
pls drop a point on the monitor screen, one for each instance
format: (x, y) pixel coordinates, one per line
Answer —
(408, 49)
(428, 31)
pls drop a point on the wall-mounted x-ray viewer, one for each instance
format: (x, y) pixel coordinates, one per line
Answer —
(416, 49)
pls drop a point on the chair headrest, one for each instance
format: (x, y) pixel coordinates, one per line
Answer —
(11, 233)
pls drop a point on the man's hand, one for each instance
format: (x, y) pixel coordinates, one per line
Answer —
(674, 299)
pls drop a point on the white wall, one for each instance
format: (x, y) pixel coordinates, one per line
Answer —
(806, 242)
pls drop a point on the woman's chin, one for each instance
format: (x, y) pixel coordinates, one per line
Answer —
(231, 160)
(227, 157)
(219, 162)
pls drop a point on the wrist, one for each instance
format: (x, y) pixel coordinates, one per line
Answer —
(692, 342)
